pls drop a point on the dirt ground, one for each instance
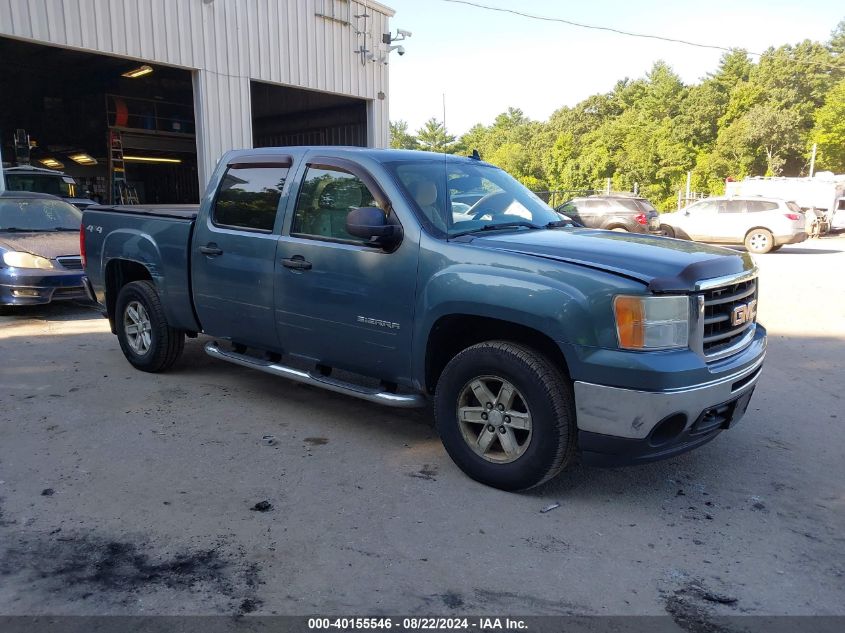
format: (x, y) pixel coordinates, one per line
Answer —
(129, 493)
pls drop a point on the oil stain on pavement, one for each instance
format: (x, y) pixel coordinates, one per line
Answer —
(118, 572)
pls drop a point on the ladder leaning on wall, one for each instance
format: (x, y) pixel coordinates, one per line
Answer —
(122, 192)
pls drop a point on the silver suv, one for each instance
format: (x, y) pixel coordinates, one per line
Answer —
(761, 224)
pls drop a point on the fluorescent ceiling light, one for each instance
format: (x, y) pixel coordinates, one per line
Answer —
(83, 159)
(152, 159)
(138, 72)
(52, 163)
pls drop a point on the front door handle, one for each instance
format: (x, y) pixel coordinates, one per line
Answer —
(297, 262)
(211, 249)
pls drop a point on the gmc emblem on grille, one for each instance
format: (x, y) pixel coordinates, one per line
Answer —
(744, 313)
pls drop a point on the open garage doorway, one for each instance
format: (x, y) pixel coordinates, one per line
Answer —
(123, 129)
(282, 115)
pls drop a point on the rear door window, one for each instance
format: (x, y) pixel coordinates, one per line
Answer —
(248, 197)
(755, 206)
(630, 205)
(733, 206)
(593, 206)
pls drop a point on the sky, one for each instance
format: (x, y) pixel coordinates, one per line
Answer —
(485, 61)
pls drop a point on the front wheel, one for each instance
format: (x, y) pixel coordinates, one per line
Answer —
(505, 415)
(145, 337)
(759, 241)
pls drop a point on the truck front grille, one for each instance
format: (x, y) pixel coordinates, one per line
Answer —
(720, 336)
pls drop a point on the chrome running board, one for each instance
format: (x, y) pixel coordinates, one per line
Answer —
(400, 400)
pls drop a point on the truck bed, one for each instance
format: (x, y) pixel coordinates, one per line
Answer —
(179, 211)
(158, 237)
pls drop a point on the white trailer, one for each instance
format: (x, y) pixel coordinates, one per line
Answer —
(824, 193)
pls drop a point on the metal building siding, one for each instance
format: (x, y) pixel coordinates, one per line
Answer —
(229, 42)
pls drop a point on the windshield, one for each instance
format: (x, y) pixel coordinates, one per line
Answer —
(41, 183)
(457, 197)
(23, 214)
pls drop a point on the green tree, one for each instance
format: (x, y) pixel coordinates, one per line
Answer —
(433, 137)
(829, 129)
(400, 137)
(774, 132)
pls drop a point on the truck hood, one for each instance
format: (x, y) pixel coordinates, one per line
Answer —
(45, 244)
(663, 264)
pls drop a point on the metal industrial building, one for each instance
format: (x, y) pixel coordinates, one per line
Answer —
(154, 91)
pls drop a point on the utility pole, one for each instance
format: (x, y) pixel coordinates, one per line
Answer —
(813, 161)
(444, 119)
(607, 187)
(2, 176)
(689, 181)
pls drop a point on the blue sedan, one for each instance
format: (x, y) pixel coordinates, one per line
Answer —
(39, 249)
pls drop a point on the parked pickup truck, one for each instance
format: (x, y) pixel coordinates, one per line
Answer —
(348, 269)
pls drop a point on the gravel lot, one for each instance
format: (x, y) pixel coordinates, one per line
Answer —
(124, 492)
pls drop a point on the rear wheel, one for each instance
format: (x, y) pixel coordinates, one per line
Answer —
(621, 229)
(776, 248)
(145, 337)
(759, 241)
(505, 415)
(668, 231)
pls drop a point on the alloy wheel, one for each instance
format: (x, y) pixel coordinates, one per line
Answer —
(494, 419)
(136, 324)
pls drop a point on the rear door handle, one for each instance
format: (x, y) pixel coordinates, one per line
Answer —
(297, 262)
(211, 249)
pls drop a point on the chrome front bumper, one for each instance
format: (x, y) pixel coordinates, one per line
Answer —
(633, 414)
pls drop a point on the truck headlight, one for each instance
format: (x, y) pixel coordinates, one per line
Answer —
(648, 323)
(26, 260)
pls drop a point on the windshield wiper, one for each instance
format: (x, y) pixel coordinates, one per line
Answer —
(559, 223)
(63, 228)
(500, 225)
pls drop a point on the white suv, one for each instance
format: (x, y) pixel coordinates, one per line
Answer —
(761, 224)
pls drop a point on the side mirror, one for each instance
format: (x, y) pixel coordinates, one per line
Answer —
(371, 223)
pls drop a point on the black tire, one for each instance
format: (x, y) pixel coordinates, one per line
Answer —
(547, 395)
(668, 231)
(165, 343)
(759, 241)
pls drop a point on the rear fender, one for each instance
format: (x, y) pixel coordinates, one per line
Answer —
(168, 270)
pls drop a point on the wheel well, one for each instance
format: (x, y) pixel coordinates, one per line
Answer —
(454, 333)
(120, 272)
(615, 223)
(757, 228)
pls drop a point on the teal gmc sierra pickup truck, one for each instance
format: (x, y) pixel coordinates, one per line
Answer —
(411, 278)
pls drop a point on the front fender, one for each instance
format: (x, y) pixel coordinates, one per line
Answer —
(569, 304)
